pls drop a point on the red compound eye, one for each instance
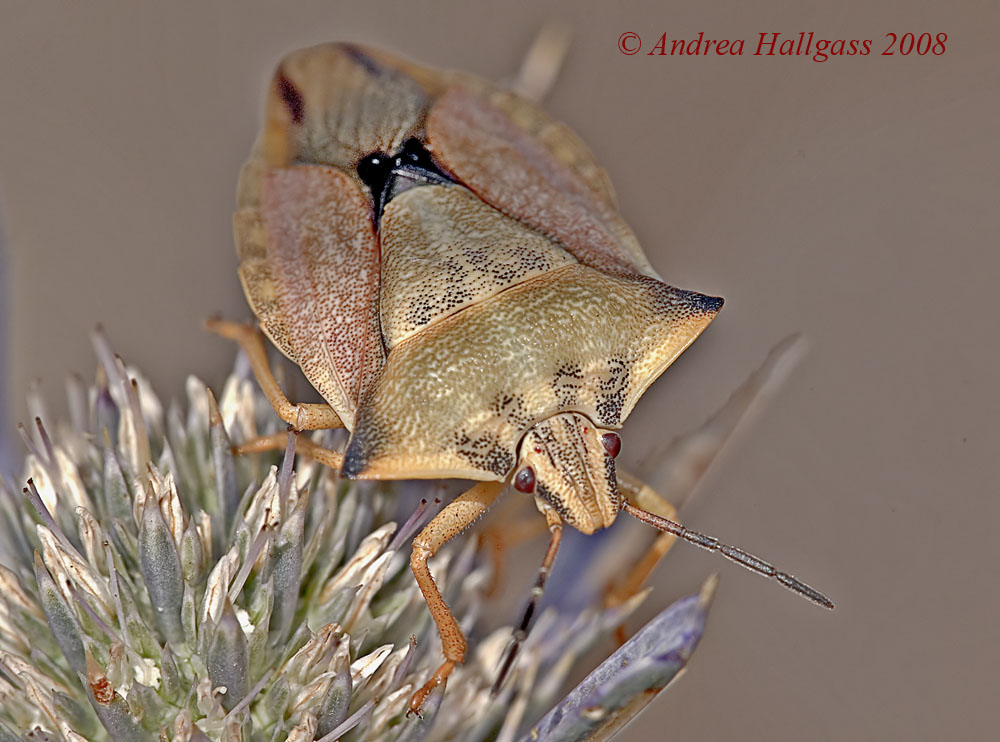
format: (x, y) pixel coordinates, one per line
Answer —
(524, 480)
(612, 444)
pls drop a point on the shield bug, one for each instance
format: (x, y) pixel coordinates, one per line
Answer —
(449, 269)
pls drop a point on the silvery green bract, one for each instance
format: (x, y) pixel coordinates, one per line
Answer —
(155, 587)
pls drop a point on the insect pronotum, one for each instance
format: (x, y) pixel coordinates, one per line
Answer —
(449, 269)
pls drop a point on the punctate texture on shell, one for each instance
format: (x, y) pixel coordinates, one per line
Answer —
(483, 283)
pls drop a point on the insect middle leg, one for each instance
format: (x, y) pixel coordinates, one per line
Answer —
(300, 416)
(507, 528)
(303, 447)
(645, 497)
(458, 515)
(541, 65)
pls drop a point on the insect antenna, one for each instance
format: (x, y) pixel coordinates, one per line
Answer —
(744, 559)
(527, 618)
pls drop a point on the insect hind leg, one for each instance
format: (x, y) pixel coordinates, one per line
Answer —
(299, 416)
(458, 515)
(304, 447)
(542, 63)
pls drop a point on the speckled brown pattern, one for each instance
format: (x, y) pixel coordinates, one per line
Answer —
(449, 269)
(443, 250)
(512, 170)
(311, 230)
(351, 105)
(442, 333)
(574, 472)
(455, 399)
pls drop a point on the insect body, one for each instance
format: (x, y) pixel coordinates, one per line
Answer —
(449, 269)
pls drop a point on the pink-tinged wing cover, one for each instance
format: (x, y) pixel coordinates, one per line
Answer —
(515, 171)
(304, 229)
(320, 254)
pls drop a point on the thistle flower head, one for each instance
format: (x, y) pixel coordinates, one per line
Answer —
(154, 586)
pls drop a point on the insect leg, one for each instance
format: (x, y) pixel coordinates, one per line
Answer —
(679, 468)
(302, 416)
(303, 447)
(458, 515)
(648, 499)
(505, 529)
(542, 63)
(521, 633)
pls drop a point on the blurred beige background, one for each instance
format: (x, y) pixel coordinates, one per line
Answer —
(853, 200)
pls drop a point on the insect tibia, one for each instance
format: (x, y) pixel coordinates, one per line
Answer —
(743, 558)
(528, 617)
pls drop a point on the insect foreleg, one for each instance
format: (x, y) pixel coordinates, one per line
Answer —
(555, 525)
(458, 515)
(300, 416)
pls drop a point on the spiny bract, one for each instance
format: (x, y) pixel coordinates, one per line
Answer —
(154, 586)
